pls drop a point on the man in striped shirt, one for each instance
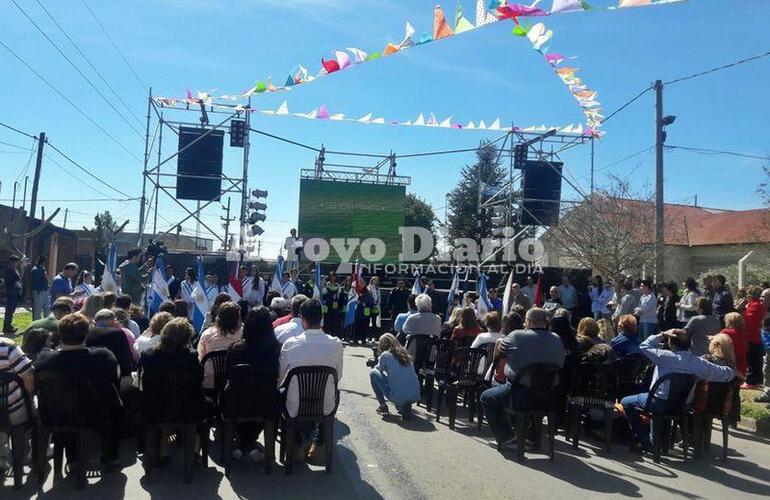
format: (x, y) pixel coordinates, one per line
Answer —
(13, 359)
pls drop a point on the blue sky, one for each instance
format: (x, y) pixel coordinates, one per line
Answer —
(484, 74)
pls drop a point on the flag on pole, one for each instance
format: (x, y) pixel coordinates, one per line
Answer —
(539, 292)
(275, 284)
(507, 294)
(417, 287)
(452, 293)
(317, 281)
(355, 288)
(109, 283)
(483, 305)
(201, 304)
(158, 286)
(235, 285)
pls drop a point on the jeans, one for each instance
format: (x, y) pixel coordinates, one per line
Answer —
(40, 306)
(380, 385)
(755, 357)
(647, 329)
(495, 401)
(633, 406)
(10, 309)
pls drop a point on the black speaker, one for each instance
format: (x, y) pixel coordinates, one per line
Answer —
(202, 162)
(541, 193)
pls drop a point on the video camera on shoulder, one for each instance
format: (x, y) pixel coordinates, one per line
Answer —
(155, 248)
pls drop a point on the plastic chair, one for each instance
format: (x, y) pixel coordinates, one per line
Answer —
(218, 360)
(718, 404)
(249, 397)
(631, 371)
(9, 382)
(441, 369)
(535, 394)
(170, 400)
(67, 404)
(311, 384)
(678, 409)
(594, 387)
(468, 382)
(420, 348)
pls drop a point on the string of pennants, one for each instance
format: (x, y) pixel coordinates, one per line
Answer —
(487, 12)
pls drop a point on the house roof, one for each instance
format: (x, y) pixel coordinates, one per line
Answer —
(698, 226)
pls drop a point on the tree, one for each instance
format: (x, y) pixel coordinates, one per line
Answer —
(419, 213)
(463, 202)
(105, 228)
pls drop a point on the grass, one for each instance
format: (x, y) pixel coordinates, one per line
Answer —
(757, 411)
(21, 320)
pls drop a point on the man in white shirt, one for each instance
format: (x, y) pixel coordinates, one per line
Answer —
(567, 294)
(291, 245)
(289, 285)
(647, 311)
(294, 327)
(311, 348)
(529, 289)
(212, 287)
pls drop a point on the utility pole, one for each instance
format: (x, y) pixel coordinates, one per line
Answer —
(36, 182)
(66, 212)
(245, 180)
(227, 220)
(659, 211)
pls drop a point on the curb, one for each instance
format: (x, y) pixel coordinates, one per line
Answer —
(761, 427)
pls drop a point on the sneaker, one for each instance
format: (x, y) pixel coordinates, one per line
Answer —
(763, 398)
(508, 445)
(256, 455)
(750, 387)
(237, 454)
(383, 410)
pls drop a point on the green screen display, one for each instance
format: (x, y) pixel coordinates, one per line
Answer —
(333, 209)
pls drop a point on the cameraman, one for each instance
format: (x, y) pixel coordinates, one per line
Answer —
(394, 377)
(132, 275)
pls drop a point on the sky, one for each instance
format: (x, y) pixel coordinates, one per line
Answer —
(175, 45)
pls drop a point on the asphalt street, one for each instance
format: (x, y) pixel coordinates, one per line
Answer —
(386, 457)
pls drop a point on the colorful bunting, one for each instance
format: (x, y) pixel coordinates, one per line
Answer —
(461, 24)
(482, 14)
(441, 28)
(408, 34)
(330, 66)
(634, 3)
(343, 59)
(566, 6)
(514, 11)
(390, 49)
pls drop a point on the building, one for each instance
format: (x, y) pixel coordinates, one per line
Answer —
(696, 239)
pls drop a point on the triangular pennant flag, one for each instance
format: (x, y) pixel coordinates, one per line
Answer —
(360, 55)
(520, 30)
(470, 126)
(425, 38)
(343, 59)
(513, 11)
(482, 125)
(461, 24)
(283, 109)
(495, 124)
(432, 120)
(289, 81)
(482, 14)
(446, 123)
(408, 34)
(539, 35)
(566, 6)
(373, 56)
(420, 120)
(379, 121)
(330, 66)
(322, 113)
(390, 49)
(554, 59)
(633, 3)
(441, 28)
(366, 118)
(337, 117)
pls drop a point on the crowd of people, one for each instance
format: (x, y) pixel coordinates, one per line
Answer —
(106, 338)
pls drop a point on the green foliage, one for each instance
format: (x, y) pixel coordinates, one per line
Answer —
(419, 213)
(757, 271)
(103, 231)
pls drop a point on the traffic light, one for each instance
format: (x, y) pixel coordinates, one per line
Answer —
(258, 214)
(237, 133)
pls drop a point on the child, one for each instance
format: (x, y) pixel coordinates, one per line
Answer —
(765, 396)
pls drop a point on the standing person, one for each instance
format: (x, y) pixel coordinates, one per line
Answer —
(552, 303)
(646, 311)
(518, 298)
(707, 289)
(330, 297)
(600, 297)
(292, 245)
(497, 302)
(132, 275)
(84, 286)
(174, 283)
(38, 283)
(374, 289)
(211, 283)
(685, 308)
(394, 378)
(186, 288)
(14, 361)
(256, 287)
(723, 299)
(363, 312)
(626, 304)
(568, 295)
(735, 328)
(528, 290)
(753, 315)
(61, 286)
(398, 301)
(765, 396)
(430, 291)
(702, 326)
(289, 283)
(667, 306)
(12, 292)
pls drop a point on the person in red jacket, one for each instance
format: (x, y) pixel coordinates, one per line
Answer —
(752, 317)
(735, 328)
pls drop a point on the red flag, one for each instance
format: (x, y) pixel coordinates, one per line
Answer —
(330, 66)
(358, 279)
(236, 287)
(539, 292)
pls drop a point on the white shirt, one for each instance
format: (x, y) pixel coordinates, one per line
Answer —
(648, 309)
(211, 292)
(599, 300)
(289, 330)
(290, 244)
(144, 343)
(257, 296)
(288, 290)
(134, 327)
(375, 291)
(311, 348)
(486, 338)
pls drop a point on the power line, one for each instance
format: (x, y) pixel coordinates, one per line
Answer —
(14, 128)
(628, 103)
(67, 99)
(91, 64)
(74, 66)
(78, 200)
(87, 172)
(15, 146)
(707, 151)
(78, 179)
(718, 68)
(120, 52)
(621, 160)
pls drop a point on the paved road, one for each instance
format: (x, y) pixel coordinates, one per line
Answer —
(387, 458)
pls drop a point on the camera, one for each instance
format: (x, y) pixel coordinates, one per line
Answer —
(372, 362)
(155, 248)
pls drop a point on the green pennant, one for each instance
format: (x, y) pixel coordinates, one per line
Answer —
(373, 56)
(519, 30)
(261, 87)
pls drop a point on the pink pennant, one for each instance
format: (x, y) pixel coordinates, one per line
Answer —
(322, 113)
(513, 11)
(330, 66)
(554, 58)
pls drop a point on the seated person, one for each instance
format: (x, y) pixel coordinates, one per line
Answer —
(626, 342)
(96, 365)
(151, 336)
(106, 333)
(293, 327)
(676, 359)
(36, 341)
(60, 308)
(311, 348)
(522, 348)
(424, 322)
(219, 337)
(493, 323)
(394, 377)
(468, 328)
(398, 324)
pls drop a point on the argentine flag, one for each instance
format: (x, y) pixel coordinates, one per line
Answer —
(452, 293)
(109, 283)
(200, 299)
(158, 286)
(350, 311)
(417, 287)
(483, 305)
(317, 281)
(275, 283)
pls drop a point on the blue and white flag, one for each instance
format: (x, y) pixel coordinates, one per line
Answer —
(275, 283)
(452, 293)
(158, 286)
(483, 305)
(417, 287)
(109, 283)
(201, 304)
(350, 311)
(317, 281)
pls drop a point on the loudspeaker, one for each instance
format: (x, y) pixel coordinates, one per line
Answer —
(541, 193)
(202, 161)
